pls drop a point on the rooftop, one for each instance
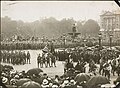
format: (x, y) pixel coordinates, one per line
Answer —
(108, 13)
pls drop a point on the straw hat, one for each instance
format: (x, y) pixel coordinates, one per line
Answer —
(72, 82)
(65, 82)
(16, 77)
(4, 80)
(13, 81)
(45, 82)
(55, 86)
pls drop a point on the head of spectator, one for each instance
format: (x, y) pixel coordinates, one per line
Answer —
(45, 76)
(45, 83)
(4, 80)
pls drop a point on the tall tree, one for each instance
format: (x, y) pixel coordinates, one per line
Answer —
(91, 27)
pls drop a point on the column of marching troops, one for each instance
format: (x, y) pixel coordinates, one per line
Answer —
(21, 46)
(21, 58)
(47, 60)
(15, 57)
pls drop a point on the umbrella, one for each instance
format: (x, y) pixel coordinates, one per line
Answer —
(82, 77)
(22, 81)
(31, 84)
(97, 80)
(34, 71)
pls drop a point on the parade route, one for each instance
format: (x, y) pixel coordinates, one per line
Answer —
(59, 70)
(51, 71)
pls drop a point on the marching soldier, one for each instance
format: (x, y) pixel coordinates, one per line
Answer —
(1, 56)
(65, 65)
(53, 60)
(48, 60)
(28, 57)
(4, 56)
(8, 57)
(41, 62)
(38, 60)
(24, 57)
(12, 56)
(44, 59)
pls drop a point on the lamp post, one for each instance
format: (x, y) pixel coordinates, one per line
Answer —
(51, 47)
(111, 40)
(64, 40)
(99, 35)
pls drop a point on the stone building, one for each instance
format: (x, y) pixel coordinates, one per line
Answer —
(110, 25)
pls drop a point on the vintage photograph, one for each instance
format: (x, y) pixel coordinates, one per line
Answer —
(60, 44)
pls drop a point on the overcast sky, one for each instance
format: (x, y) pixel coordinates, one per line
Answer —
(34, 10)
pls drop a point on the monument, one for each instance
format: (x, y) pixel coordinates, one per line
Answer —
(74, 32)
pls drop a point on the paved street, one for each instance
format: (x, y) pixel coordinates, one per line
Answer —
(50, 71)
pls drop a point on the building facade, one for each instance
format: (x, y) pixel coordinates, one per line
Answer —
(110, 25)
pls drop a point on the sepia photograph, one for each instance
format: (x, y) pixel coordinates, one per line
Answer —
(60, 44)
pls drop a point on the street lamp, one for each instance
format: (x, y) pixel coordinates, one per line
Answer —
(100, 36)
(51, 47)
(111, 40)
(64, 40)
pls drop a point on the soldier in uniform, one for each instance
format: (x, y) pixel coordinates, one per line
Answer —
(8, 57)
(4, 56)
(39, 60)
(1, 56)
(28, 57)
(44, 59)
(24, 56)
(20, 58)
(48, 60)
(65, 65)
(12, 56)
(17, 58)
(53, 60)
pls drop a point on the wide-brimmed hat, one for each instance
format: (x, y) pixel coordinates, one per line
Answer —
(3, 74)
(16, 77)
(72, 82)
(20, 74)
(49, 78)
(4, 80)
(13, 72)
(45, 82)
(55, 86)
(50, 84)
(13, 81)
(65, 82)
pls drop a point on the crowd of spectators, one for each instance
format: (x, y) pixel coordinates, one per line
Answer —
(90, 55)
(14, 79)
